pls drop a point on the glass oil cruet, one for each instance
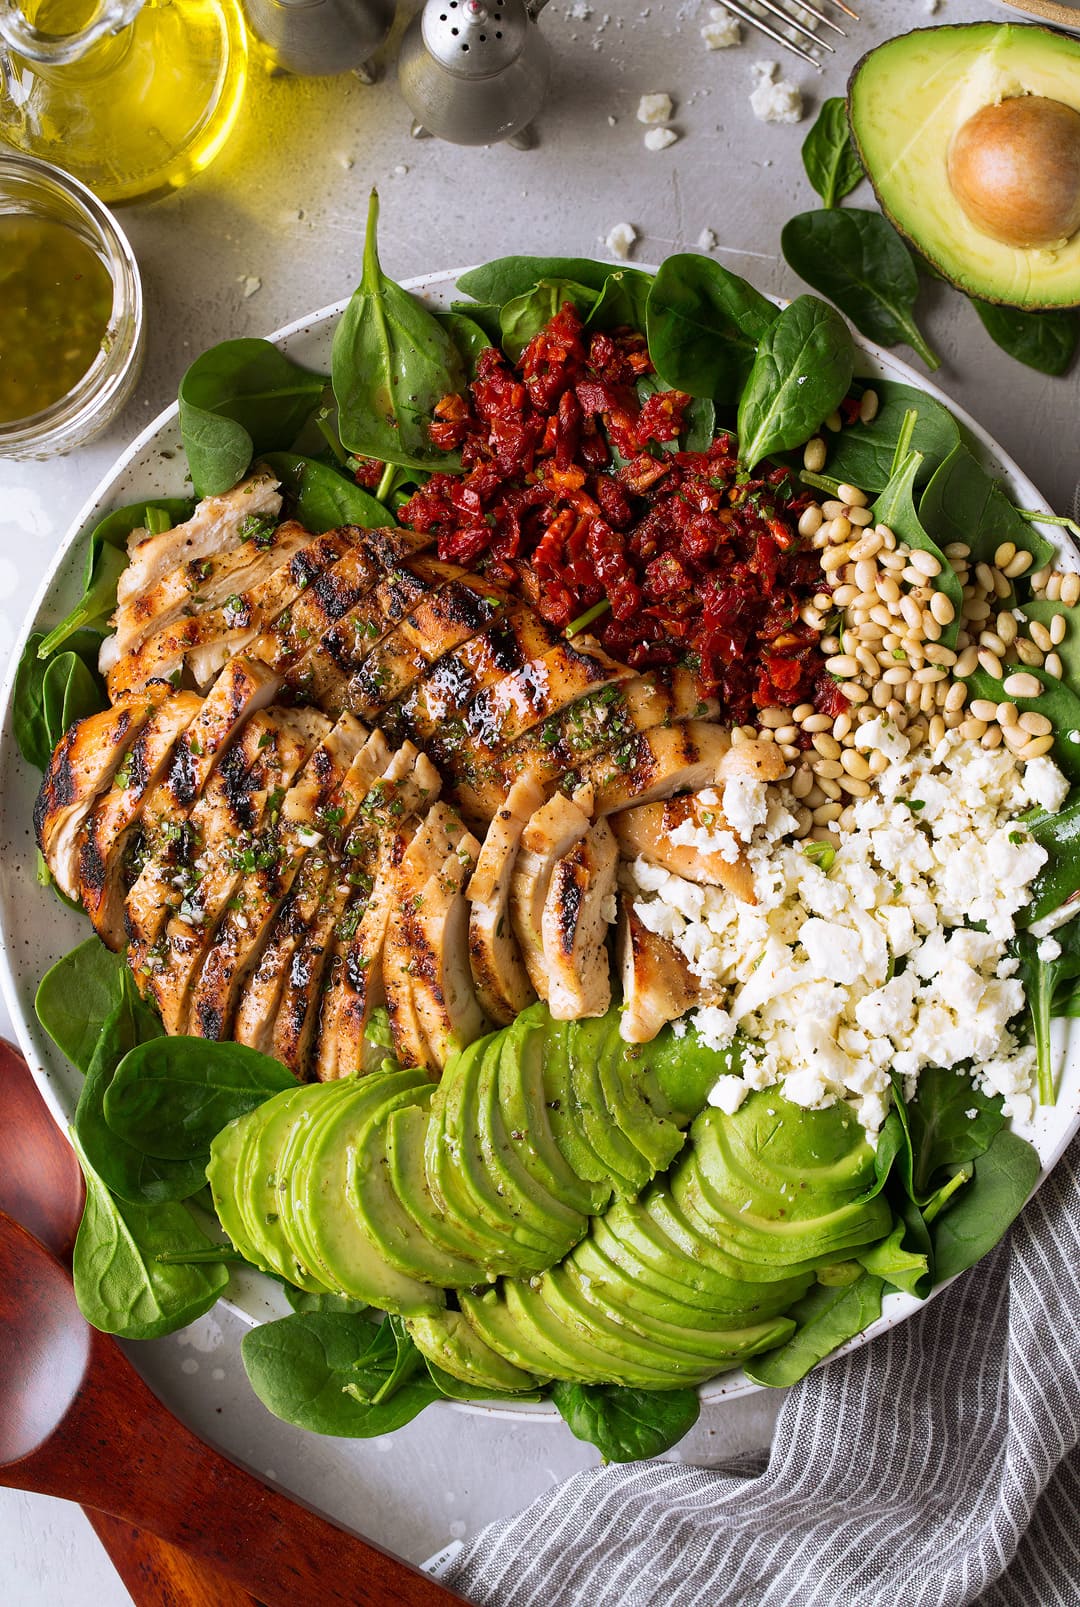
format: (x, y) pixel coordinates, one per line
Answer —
(134, 97)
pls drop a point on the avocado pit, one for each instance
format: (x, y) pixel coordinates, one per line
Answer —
(1014, 168)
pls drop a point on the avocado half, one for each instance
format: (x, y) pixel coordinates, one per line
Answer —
(909, 100)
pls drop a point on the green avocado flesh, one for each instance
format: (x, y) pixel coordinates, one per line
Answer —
(907, 101)
(498, 1186)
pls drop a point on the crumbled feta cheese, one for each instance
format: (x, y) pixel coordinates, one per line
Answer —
(1045, 784)
(728, 1094)
(707, 240)
(655, 109)
(1049, 950)
(620, 240)
(658, 139)
(774, 99)
(722, 30)
(838, 977)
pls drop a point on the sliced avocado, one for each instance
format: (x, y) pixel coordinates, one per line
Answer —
(722, 1344)
(262, 1187)
(628, 1168)
(338, 1230)
(635, 1099)
(648, 1291)
(452, 1343)
(490, 1315)
(571, 1347)
(525, 1115)
(311, 1117)
(628, 1350)
(909, 102)
(457, 1179)
(797, 1158)
(392, 1229)
(223, 1176)
(406, 1136)
(558, 1225)
(564, 1114)
(698, 1238)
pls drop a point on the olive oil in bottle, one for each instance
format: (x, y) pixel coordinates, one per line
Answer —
(133, 99)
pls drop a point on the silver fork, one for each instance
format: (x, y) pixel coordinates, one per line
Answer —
(783, 14)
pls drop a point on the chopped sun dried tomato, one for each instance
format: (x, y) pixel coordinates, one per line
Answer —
(699, 569)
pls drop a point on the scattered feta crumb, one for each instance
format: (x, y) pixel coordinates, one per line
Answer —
(932, 7)
(612, 121)
(721, 31)
(654, 109)
(580, 11)
(707, 240)
(400, 170)
(620, 240)
(775, 99)
(1049, 950)
(250, 283)
(658, 139)
(347, 161)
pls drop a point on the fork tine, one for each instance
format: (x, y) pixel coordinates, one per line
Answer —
(741, 12)
(789, 21)
(822, 18)
(840, 6)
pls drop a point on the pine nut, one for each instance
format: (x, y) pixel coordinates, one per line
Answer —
(993, 641)
(853, 692)
(992, 737)
(925, 563)
(1022, 685)
(833, 508)
(834, 558)
(899, 675)
(1027, 652)
(859, 516)
(1007, 714)
(937, 730)
(942, 609)
(852, 495)
(940, 655)
(972, 729)
(953, 718)
(1014, 738)
(1005, 625)
(790, 751)
(1053, 587)
(967, 662)
(802, 781)
(826, 813)
(1053, 666)
(956, 697)
(880, 695)
(983, 709)
(1005, 554)
(816, 722)
(990, 663)
(1036, 747)
(842, 726)
(868, 407)
(1017, 566)
(815, 797)
(827, 769)
(834, 422)
(814, 455)
(985, 576)
(802, 711)
(1036, 725)
(1002, 585)
(810, 520)
(855, 764)
(932, 673)
(826, 745)
(1057, 629)
(837, 530)
(912, 613)
(787, 734)
(842, 664)
(830, 788)
(1040, 635)
(878, 762)
(957, 549)
(773, 717)
(855, 786)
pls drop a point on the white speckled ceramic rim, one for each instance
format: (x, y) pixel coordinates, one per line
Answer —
(253, 1297)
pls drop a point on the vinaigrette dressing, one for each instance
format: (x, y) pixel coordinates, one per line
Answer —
(56, 298)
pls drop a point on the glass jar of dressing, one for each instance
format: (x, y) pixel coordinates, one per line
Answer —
(71, 312)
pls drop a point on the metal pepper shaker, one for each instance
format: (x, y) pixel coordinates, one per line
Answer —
(315, 38)
(475, 72)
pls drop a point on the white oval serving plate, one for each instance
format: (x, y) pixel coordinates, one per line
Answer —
(36, 929)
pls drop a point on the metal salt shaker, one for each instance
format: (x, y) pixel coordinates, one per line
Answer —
(315, 38)
(475, 72)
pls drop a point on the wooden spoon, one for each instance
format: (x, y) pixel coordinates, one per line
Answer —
(42, 1187)
(77, 1421)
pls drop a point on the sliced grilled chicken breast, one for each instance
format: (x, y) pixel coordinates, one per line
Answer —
(654, 764)
(502, 982)
(108, 850)
(354, 976)
(657, 983)
(312, 812)
(574, 923)
(216, 526)
(84, 765)
(321, 667)
(646, 832)
(446, 1000)
(240, 691)
(272, 747)
(551, 832)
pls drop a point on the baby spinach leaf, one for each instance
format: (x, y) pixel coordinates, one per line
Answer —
(1060, 705)
(1043, 980)
(470, 338)
(77, 996)
(626, 1425)
(304, 1300)
(802, 371)
(859, 261)
(829, 155)
(979, 1217)
(524, 316)
(826, 1318)
(238, 399)
(1043, 340)
(321, 498)
(500, 281)
(302, 1367)
(623, 301)
(392, 363)
(170, 1097)
(69, 676)
(126, 1171)
(703, 325)
(895, 507)
(1059, 878)
(862, 454)
(106, 560)
(963, 502)
(944, 1132)
(120, 1285)
(891, 1260)
(389, 1362)
(485, 315)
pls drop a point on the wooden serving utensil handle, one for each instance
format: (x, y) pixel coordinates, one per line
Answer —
(1048, 11)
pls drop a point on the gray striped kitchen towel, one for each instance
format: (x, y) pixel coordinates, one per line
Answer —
(938, 1465)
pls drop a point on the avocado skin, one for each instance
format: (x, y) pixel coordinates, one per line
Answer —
(452, 1343)
(960, 270)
